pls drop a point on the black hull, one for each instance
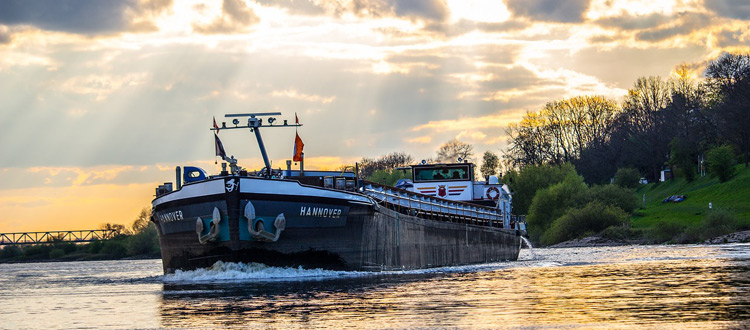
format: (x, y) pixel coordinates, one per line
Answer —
(368, 237)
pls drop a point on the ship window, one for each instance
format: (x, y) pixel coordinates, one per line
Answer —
(442, 173)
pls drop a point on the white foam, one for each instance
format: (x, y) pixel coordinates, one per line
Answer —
(222, 272)
(240, 272)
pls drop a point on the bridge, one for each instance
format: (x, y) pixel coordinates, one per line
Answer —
(48, 237)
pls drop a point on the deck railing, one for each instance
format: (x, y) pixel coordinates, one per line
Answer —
(435, 208)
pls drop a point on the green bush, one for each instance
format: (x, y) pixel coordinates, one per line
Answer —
(721, 162)
(551, 203)
(37, 251)
(621, 233)
(623, 198)
(577, 222)
(10, 252)
(146, 242)
(95, 247)
(114, 248)
(56, 253)
(665, 231)
(627, 178)
(717, 223)
(530, 179)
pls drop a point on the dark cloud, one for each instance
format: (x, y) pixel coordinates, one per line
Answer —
(631, 22)
(565, 11)
(738, 9)
(88, 17)
(429, 10)
(684, 24)
(433, 10)
(236, 17)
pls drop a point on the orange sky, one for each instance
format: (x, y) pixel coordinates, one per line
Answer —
(99, 103)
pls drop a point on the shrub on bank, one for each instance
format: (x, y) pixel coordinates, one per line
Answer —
(552, 202)
(717, 223)
(56, 253)
(10, 252)
(115, 248)
(579, 222)
(146, 242)
(621, 233)
(624, 198)
(665, 231)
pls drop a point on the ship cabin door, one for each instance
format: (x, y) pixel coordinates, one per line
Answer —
(449, 181)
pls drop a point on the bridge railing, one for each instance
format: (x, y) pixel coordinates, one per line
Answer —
(42, 237)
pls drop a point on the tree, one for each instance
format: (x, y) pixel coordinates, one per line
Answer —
(561, 130)
(490, 164)
(729, 78)
(141, 222)
(454, 149)
(118, 228)
(525, 182)
(368, 166)
(721, 162)
(627, 178)
(643, 122)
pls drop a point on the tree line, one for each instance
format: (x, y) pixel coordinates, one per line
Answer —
(661, 123)
(138, 240)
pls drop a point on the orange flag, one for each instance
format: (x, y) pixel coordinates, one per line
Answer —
(298, 145)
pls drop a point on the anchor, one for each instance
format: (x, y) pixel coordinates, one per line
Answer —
(213, 232)
(259, 232)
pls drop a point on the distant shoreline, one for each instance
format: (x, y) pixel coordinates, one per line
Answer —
(597, 240)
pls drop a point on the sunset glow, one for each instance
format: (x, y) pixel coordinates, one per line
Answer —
(98, 105)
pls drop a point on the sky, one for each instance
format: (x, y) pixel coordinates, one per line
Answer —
(100, 100)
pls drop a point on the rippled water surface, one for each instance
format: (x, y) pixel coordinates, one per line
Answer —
(651, 287)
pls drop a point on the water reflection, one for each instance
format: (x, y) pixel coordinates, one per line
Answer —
(635, 290)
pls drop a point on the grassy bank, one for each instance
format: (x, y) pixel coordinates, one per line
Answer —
(687, 221)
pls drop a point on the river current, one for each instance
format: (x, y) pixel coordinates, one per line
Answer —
(631, 287)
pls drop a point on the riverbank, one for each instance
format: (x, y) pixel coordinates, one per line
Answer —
(599, 240)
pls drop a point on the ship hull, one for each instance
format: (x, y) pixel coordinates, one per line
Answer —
(323, 228)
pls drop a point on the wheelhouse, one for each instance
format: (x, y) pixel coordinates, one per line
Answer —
(442, 172)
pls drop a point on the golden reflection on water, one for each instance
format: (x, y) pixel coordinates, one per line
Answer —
(709, 293)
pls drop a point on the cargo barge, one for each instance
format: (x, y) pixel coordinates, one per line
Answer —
(331, 220)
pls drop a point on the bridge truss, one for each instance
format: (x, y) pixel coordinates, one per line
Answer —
(44, 237)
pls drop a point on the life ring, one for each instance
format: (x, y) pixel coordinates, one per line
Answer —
(490, 195)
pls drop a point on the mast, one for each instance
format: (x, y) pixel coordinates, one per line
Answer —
(254, 124)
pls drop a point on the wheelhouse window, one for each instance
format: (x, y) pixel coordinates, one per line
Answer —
(442, 173)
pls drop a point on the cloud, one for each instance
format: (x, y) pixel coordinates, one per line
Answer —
(235, 17)
(87, 17)
(685, 24)
(427, 10)
(432, 10)
(5, 36)
(737, 9)
(564, 11)
(294, 94)
(733, 37)
(634, 22)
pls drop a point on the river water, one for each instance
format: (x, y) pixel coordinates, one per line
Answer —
(633, 287)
